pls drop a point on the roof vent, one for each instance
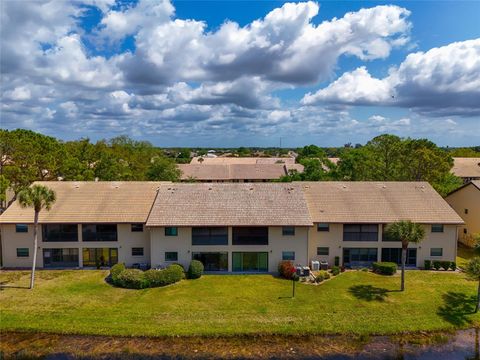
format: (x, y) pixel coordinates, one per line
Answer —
(209, 188)
(344, 186)
(384, 186)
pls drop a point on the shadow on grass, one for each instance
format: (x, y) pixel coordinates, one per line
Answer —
(369, 292)
(457, 306)
(4, 285)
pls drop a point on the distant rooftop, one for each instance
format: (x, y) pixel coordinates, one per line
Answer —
(466, 167)
(242, 160)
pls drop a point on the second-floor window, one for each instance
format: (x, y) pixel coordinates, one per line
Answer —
(136, 227)
(99, 232)
(288, 230)
(59, 232)
(209, 236)
(437, 228)
(360, 232)
(21, 228)
(246, 235)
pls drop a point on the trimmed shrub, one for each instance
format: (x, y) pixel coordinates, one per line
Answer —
(115, 271)
(319, 278)
(428, 265)
(384, 268)
(172, 274)
(453, 265)
(445, 265)
(337, 260)
(195, 270)
(286, 269)
(132, 279)
(437, 265)
(335, 270)
(324, 274)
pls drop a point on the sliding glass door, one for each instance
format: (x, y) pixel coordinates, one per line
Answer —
(212, 261)
(94, 257)
(250, 261)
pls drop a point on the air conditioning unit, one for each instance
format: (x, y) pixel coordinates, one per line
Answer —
(315, 265)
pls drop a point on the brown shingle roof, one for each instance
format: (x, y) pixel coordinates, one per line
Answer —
(376, 202)
(91, 202)
(258, 204)
(233, 171)
(466, 167)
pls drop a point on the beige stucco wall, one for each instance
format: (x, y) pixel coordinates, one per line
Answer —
(277, 243)
(333, 239)
(467, 198)
(127, 239)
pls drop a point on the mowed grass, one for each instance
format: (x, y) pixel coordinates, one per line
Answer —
(357, 302)
(464, 254)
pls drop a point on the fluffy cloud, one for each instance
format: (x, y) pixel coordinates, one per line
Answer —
(442, 81)
(182, 78)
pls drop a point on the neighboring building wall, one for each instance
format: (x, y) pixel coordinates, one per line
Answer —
(466, 202)
(333, 239)
(11, 240)
(182, 243)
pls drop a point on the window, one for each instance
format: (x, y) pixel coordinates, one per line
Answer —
(21, 228)
(137, 228)
(212, 261)
(60, 232)
(210, 236)
(137, 251)
(465, 230)
(99, 232)
(466, 211)
(436, 252)
(171, 256)
(395, 255)
(60, 258)
(288, 230)
(323, 227)
(323, 250)
(360, 232)
(437, 228)
(250, 235)
(288, 255)
(22, 252)
(171, 231)
(100, 257)
(358, 257)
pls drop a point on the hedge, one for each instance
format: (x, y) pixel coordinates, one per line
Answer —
(115, 271)
(195, 270)
(384, 268)
(172, 274)
(132, 279)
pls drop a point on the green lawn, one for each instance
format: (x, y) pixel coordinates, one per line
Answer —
(354, 302)
(463, 255)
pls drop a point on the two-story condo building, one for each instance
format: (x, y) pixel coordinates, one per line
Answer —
(234, 227)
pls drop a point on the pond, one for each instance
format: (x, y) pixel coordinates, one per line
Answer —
(460, 345)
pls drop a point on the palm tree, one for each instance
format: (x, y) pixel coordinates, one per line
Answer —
(38, 197)
(473, 272)
(406, 232)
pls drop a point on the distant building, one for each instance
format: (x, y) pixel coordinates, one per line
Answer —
(466, 202)
(225, 172)
(466, 168)
(242, 160)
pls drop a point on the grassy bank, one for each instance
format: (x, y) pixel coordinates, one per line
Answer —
(80, 302)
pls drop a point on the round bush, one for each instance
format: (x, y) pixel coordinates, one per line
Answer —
(132, 279)
(195, 270)
(156, 278)
(335, 270)
(286, 269)
(453, 265)
(428, 265)
(384, 268)
(437, 265)
(115, 271)
(445, 265)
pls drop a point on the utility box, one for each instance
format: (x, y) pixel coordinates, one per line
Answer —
(315, 265)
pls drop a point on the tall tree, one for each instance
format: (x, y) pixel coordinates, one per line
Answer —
(473, 272)
(407, 232)
(386, 160)
(163, 169)
(39, 197)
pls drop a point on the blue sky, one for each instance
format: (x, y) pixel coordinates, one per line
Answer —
(242, 73)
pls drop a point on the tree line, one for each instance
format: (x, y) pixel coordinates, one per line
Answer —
(27, 156)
